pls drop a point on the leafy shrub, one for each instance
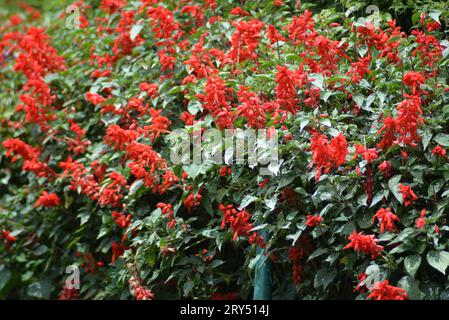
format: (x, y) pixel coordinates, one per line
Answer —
(356, 207)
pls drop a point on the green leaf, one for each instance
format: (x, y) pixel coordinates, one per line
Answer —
(439, 260)
(187, 287)
(411, 286)
(247, 201)
(435, 15)
(324, 277)
(216, 263)
(271, 203)
(412, 264)
(304, 122)
(318, 252)
(317, 80)
(442, 139)
(393, 185)
(5, 275)
(261, 226)
(135, 186)
(364, 102)
(40, 290)
(135, 30)
(192, 170)
(426, 137)
(377, 198)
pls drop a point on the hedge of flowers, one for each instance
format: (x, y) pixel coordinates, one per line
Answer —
(356, 207)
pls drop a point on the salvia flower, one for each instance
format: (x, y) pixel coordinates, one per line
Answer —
(439, 151)
(421, 222)
(387, 219)
(122, 220)
(47, 200)
(408, 196)
(366, 244)
(313, 221)
(384, 291)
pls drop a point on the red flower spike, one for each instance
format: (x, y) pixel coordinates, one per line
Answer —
(366, 244)
(384, 291)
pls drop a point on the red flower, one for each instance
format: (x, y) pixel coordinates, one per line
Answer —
(117, 251)
(368, 154)
(238, 11)
(159, 124)
(187, 118)
(359, 69)
(78, 145)
(143, 293)
(225, 171)
(48, 200)
(302, 27)
(386, 219)
(296, 253)
(119, 138)
(163, 24)
(29, 154)
(167, 209)
(68, 294)
(274, 35)
(8, 237)
(95, 98)
(167, 61)
(20, 148)
(286, 81)
(325, 155)
(37, 56)
(439, 151)
(408, 120)
(429, 49)
(359, 287)
(413, 79)
(339, 149)
(437, 230)
(150, 89)
(111, 194)
(384, 291)
(140, 291)
(123, 221)
(252, 108)
(264, 183)
(111, 6)
(240, 224)
(432, 26)
(421, 222)
(245, 40)
(386, 168)
(192, 201)
(216, 101)
(80, 178)
(313, 221)
(364, 243)
(171, 224)
(408, 196)
(196, 12)
(389, 130)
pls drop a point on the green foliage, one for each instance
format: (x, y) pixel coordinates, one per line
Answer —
(197, 258)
